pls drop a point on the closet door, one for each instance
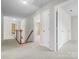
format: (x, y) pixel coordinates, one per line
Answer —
(64, 27)
(45, 28)
(60, 30)
(69, 28)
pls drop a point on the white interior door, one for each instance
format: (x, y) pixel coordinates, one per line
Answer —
(64, 26)
(45, 28)
(69, 28)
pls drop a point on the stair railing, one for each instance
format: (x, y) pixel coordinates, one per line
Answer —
(20, 36)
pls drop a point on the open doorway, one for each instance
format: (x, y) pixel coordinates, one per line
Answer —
(37, 29)
(66, 27)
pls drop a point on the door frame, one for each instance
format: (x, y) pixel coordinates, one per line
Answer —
(56, 29)
(34, 24)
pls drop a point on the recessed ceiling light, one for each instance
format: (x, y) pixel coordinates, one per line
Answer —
(24, 2)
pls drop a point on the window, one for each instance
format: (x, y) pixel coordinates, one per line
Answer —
(13, 28)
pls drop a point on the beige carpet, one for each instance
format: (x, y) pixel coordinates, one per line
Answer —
(31, 51)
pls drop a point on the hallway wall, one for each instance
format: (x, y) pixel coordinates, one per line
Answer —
(52, 22)
(29, 27)
(23, 27)
(74, 27)
(7, 21)
(21, 23)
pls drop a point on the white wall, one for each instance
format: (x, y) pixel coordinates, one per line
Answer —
(7, 20)
(29, 27)
(43, 16)
(26, 26)
(52, 22)
(74, 28)
(41, 13)
(23, 27)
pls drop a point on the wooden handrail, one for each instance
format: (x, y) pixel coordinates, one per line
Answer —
(20, 40)
(29, 35)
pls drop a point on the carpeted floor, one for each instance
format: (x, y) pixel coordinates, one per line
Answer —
(13, 50)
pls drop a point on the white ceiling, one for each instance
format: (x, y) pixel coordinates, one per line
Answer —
(16, 8)
(71, 7)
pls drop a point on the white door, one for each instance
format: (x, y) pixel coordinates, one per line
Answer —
(45, 28)
(69, 28)
(64, 26)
